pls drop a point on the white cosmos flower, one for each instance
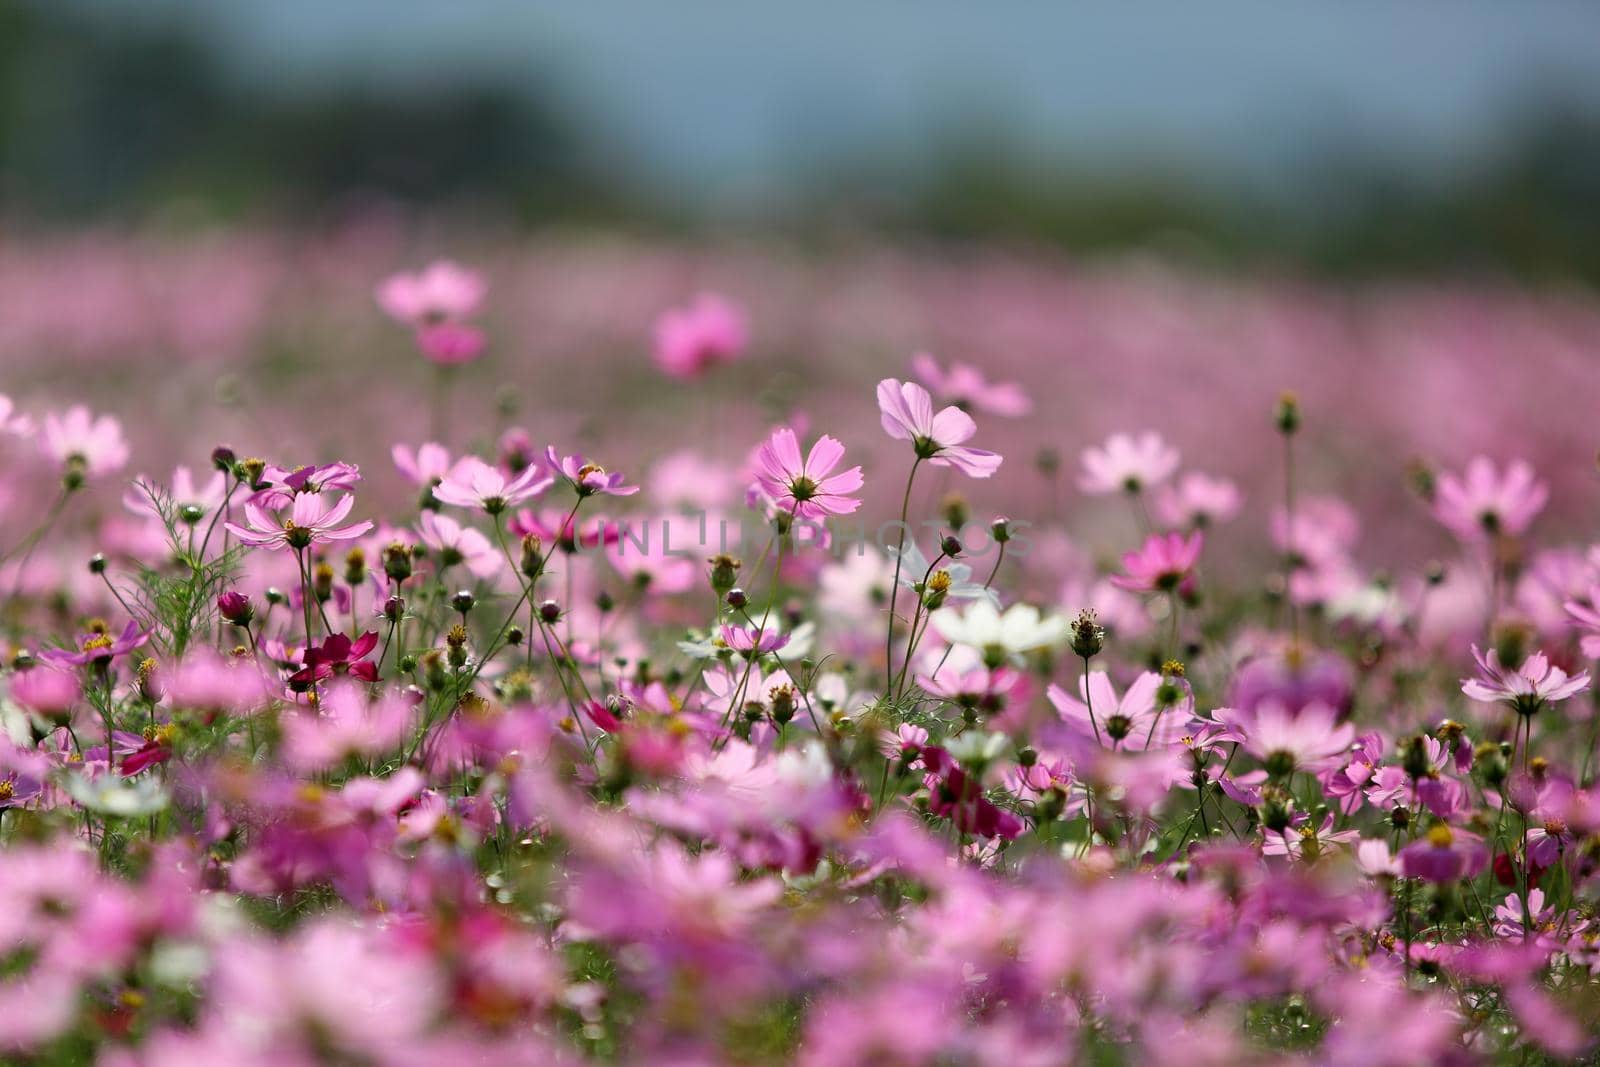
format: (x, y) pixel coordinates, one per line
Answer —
(1022, 628)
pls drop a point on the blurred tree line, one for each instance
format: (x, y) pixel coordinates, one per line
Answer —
(96, 124)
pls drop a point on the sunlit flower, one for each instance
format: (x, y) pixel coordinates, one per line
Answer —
(310, 520)
(1524, 689)
(999, 637)
(806, 488)
(472, 483)
(587, 478)
(907, 415)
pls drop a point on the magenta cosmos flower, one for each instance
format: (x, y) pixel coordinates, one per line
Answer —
(803, 488)
(1484, 502)
(965, 386)
(82, 444)
(1443, 855)
(97, 647)
(450, 344)
(587, 478)
(907, 415)
(1127, 464)
(691, 340)
(338, 655)
(472, 483)
(310, 520)
(442, 290)
(1525, 689)
(1161, 564)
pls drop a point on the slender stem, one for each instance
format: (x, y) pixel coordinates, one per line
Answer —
(894, 586)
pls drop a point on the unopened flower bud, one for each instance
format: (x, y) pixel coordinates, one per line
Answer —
(1423, 480)
(954, 510)
(355, 566)
(250, 471)
(950, 546)
(532, 556)
(783, 704)
(549, 612)
(97, 564)
(236, 608)
(1287, 417)
(463, 602)
(149, 677)
(724, 572)
(396, 562)
(394, 608)
(223, 458)
(322, 581)
(515, 636)
(736, 599)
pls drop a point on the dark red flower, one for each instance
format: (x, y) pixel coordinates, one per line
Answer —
(338, 655)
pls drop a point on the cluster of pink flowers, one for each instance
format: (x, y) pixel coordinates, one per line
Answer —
(530, 762)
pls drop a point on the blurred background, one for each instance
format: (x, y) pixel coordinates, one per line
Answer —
(1148, 218)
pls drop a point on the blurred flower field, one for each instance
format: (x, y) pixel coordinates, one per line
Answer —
(624, 650)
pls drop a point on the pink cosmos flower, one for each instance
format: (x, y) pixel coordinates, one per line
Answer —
(458, 544)
(752, 639)
(907, 415)
(1126, 464)
(83, 444)
(1161, 564)
(587, 478)
(1484, 502)
(1525, 689)
(183, 493)
(1585, 616)
(426, 467)
(806, 488)
(208, 683)
(10, 422)
(691, 340)
(282, 484)
(1310, 739)
(472, 483)
(311, 520)
(1136, 718)
(345, 723)
(46, 691)
(450, 344)
(1197, 500)
(965, 386)
(442, 290)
